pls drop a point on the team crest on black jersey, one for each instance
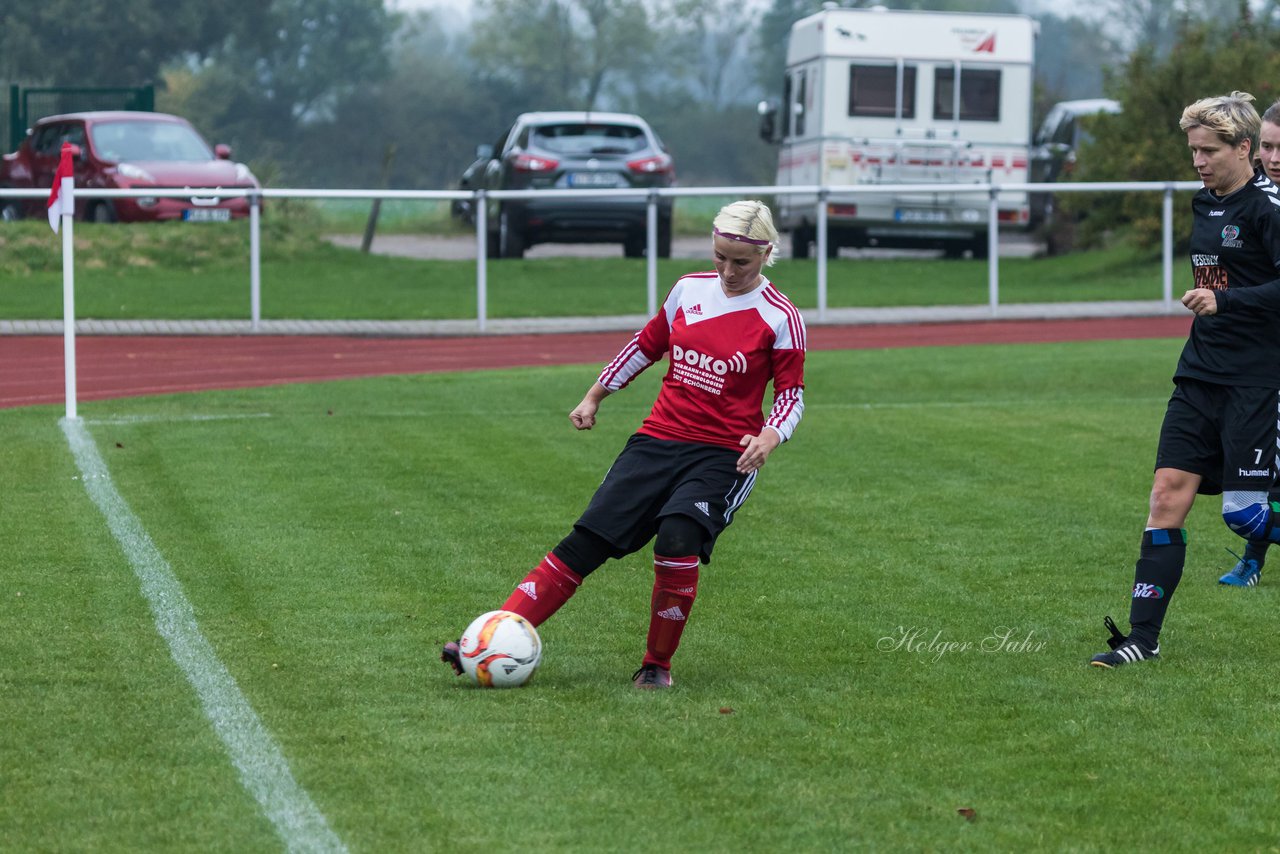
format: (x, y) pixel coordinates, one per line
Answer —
(1231, 237)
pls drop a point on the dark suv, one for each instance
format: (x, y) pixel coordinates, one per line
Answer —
(1053, 152)
(572, 150)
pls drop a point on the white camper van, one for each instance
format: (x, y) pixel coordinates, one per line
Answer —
(873, 96)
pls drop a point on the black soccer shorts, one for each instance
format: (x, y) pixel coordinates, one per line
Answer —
(653, 478)
(1225, 434)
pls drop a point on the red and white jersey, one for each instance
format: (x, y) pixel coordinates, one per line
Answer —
(724, 352)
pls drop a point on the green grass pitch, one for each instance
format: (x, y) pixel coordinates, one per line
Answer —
(887, 652)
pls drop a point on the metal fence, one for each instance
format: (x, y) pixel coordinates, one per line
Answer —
(823, 193)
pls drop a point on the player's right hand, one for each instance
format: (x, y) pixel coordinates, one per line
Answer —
(583, 415)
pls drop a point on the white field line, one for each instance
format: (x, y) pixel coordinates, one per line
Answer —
(1034, 403)
(160, 419)
(264, 771)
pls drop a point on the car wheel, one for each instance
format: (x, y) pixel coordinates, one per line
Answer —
(664, 242)
(102, 212)
(633, 246)
(1060, 233)
(510, 239)
(10, 210)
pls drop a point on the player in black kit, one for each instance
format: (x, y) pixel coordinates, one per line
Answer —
(1248, 569)
(1220, 429)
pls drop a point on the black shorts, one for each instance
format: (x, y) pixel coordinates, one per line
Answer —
(1226, 434)
(653, 478)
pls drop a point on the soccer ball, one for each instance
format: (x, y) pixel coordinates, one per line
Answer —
(500, 649)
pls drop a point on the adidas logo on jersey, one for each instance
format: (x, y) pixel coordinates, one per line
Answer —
(694, 309)
(704, 507)
(529, 589)
(672, 613)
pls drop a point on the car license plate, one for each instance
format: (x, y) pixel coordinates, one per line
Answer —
(920, 215)
(207, 215)
(593, 179)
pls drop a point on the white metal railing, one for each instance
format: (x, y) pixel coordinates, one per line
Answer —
(652, 196)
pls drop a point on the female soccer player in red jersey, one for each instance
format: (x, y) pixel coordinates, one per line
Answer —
(692, 463)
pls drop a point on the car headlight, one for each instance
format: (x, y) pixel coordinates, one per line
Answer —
(137, 173)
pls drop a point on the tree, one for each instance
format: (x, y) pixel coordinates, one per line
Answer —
(563, 53)
(105, 43)
(266, 91)
(1144, 143)
(1072, 55)
(310, 54)
(1154, 25)
(771, 40)
(708, 50)
(433, 108)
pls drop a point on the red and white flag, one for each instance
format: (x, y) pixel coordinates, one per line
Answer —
(65, 170)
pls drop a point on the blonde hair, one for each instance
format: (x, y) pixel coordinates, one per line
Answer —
(1232, 117)
(749, 221)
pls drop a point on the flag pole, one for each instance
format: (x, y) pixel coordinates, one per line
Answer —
(62, 209)
(67, 199)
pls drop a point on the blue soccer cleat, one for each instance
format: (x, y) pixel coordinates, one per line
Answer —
(1246, 573)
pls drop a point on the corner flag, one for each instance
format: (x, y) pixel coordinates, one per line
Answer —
(65, 170)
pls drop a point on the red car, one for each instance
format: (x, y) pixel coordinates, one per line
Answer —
(127, 150)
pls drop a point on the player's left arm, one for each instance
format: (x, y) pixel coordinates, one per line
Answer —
(788, 407)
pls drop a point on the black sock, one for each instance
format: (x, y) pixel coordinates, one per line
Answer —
(1256, 550)
(1155, 577)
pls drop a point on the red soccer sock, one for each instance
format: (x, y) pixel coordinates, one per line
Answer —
(675, 586)
(543, 591)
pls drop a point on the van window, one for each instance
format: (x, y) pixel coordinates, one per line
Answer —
(797, 108)
(873, 91)
(979, 94)
(786, 105)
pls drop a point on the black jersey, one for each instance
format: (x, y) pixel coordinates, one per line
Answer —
(1235, 251)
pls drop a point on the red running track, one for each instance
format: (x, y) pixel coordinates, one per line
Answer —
(31, 367)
